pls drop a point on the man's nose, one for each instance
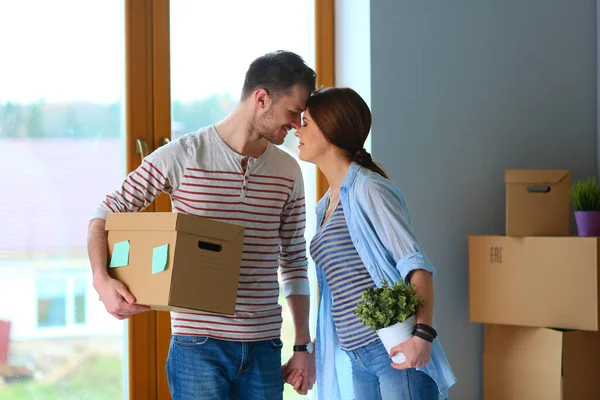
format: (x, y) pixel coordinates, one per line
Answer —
(296, 122)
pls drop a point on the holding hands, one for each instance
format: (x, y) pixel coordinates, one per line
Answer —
(300, 372)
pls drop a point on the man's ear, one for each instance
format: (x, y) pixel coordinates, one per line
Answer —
(262, 99)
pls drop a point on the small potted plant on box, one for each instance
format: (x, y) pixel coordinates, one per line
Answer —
(391, 312)
(586, 201)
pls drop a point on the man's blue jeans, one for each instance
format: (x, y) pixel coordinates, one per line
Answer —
(199, 367)
(374, 378)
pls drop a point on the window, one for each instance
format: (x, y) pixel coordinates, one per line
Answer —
(62, 146)
(61, 299)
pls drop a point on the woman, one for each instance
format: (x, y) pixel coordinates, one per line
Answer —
(364, 236)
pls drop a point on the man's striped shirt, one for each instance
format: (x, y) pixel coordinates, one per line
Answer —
(205, 177)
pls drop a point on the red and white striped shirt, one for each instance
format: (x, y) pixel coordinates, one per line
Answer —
(204, 176)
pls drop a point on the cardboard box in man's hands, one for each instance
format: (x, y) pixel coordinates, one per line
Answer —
(176, 262)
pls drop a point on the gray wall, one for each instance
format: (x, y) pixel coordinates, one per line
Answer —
(460, 91)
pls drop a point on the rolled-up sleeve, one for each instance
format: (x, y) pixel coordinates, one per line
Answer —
(386, 211)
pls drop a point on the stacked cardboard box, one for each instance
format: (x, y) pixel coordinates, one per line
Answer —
(537, 292)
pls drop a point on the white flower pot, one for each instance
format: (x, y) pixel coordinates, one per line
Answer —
(397, 334)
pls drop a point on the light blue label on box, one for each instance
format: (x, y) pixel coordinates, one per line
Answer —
(160, 256)
(120, 254)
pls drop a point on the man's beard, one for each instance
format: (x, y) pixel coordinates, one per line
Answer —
(272, 137)
(265, 130)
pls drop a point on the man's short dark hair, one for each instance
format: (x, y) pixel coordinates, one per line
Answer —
(277, 73)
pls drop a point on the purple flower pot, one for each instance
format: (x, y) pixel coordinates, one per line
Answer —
(588, 223)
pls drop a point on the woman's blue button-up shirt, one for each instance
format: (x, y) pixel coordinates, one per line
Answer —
(380, 228)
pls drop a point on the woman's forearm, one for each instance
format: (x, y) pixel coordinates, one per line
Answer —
(424, 290)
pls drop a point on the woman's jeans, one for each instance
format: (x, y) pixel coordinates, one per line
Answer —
(375, 379)
(199, 367)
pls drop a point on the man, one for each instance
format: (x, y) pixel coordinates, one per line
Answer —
(232, 172)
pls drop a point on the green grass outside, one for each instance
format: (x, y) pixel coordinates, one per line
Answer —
(97, 378)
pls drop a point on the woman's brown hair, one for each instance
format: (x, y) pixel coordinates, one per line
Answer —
(345, 120)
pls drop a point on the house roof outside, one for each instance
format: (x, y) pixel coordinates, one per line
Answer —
(50, 188)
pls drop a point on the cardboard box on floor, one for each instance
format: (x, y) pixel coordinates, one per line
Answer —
(176, 262)
(535, 281)
(538, 202)
(536, 363)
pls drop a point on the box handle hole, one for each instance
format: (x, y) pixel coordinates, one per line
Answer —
(538, 189)
(210, 246)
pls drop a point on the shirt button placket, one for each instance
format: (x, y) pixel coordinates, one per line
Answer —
(245, 181)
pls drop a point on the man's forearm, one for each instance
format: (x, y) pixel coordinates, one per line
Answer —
(424, 290)
(98, 247)
(300, 309)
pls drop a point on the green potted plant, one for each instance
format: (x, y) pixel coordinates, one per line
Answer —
(585, 195)
(391, 312)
